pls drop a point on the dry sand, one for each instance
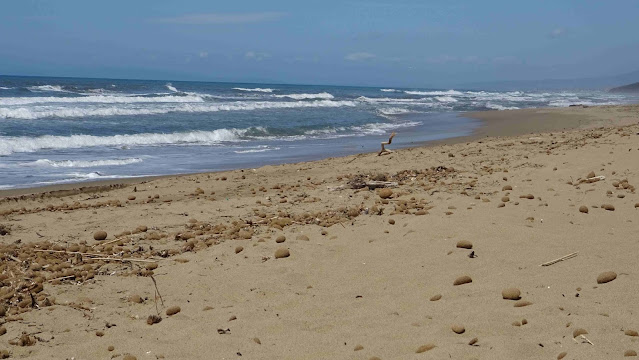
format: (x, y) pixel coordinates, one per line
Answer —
(291, 262)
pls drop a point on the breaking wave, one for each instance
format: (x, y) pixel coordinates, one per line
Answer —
(322, 95)
(70, 112)
(10, 145)
(266, 90)
(434, 93)
(41, 88)
(103, 99)
(82, 163)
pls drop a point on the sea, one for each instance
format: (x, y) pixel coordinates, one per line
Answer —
(68, 130)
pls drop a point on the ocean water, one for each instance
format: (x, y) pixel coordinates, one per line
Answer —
(60, 130)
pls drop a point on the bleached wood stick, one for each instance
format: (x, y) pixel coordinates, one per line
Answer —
(569, 256)
(390, 140)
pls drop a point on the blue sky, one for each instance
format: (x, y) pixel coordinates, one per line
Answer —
(377, 42)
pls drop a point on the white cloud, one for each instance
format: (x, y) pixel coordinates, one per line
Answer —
(359, 56)
(257, 56)
(557, 33)
(216, 18)
(204, 54)
(441, 59)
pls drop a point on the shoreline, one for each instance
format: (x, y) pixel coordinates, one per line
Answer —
(311, 261)
(494, 123)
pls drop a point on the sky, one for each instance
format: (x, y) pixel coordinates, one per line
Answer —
(377, 42)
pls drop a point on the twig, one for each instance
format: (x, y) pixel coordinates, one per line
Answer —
(157, 294)
(569, 256)
(61, 278)
(124, 259)
(106, 243)
(94, 256)
(585, 338)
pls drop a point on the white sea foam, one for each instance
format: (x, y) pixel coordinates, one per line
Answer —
(434, 93)
(171, 87)
(322, 95)
(102, 99)
(82, 163)
(32, 113)
(394, 111)
(445, 99)
(10, 145)
(382, 128)
(500, 107)
(5, 88)
(390, 90)
(41, 88)
(266, 90)
(256, 150)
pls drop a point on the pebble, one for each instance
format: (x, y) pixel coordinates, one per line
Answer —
(257, 341)
(473, 341)
(579, 331)
(280, 239)
(583, 209)
(505, 199)
(527, 196)
(516, 323)
(561, 355)
(385, 193)
(522, 303)
(99, 333)
(605, 277)
(506, 188)
(591, 174)
(425, 348)
(99, 235)
(282, 253)
(524, 321)
(358, 348)
(239, 249)
(129, 357)
(630, 353)
(458, 329)
(153, 319)
(462, 280)
(511, 294)
(631, 333)
(3, 330)
(173, 310)
(436, 297)
(131, 197)
(464, 244)
(151, 266)
(136, 299)
(391, 221)
(111, 348)
(608, 207)
(303, 238)
(637, 205)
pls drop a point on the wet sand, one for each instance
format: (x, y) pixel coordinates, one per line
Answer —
(369, 272)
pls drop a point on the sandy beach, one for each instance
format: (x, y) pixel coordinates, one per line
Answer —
(305, 261)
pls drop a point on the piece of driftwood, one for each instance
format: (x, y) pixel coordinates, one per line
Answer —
(592, 179)
(569, 256)
(380, 184)
(384, 151)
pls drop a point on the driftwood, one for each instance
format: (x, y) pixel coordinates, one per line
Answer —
(592, 179)
(569, 256)
(384, 151)
(380, 184)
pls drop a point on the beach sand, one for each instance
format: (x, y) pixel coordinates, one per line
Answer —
(370, 273)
